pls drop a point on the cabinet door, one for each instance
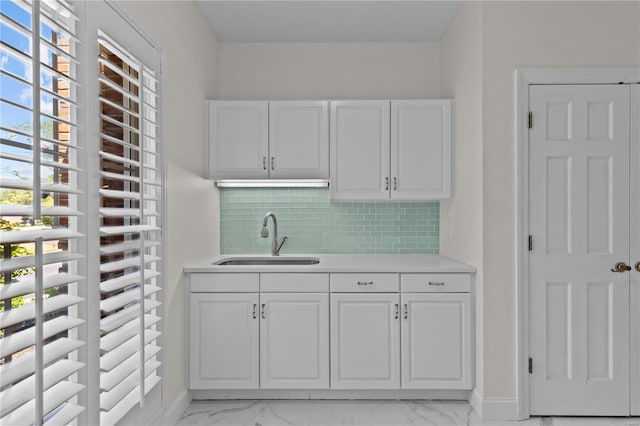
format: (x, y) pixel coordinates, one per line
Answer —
(436, 341)
(365, 341)
(421, 149)
(359, 140)
(223, 341)
(294, 340)
(299, 139)
(238, 139)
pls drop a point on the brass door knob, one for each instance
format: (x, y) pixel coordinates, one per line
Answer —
(621, 267)
(638, 266)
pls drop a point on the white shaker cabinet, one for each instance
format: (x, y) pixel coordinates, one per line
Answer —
(224, 332)
(294, 341)
(420, 149)
(436, 334)
(299, 139)
(365, 341)
(238, 144)
(262, 139)
(390, 150)
(359, 140)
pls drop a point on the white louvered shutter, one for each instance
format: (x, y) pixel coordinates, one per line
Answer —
(130, 231)
(41, 201)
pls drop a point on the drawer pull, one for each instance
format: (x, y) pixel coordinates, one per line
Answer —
(397, 314)
(436, 283)
(365, 282)
(255, 313)
(263, 314)
(406, 311)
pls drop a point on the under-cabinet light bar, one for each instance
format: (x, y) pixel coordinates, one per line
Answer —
(272, 183)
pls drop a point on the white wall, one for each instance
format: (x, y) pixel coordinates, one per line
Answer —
(189, 77)
(329, 70)
(520, 35)
(461, 217)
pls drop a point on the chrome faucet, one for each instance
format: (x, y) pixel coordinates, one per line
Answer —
(276, 244)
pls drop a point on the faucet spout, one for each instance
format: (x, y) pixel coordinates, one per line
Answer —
(276, 244)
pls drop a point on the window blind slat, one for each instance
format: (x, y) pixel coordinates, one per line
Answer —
(17, 210)
(20, 393)
(118, 283)
(28, 312)
(115, 356)
(23, 262)
(46, 233)
(53, 397)
(25, 338)
(127, 229)
(129, 296)
(127, 402)
(44, 163)
(65, 415)
(117, 337)
(24, 366)
(119, 159)
(114, 321)
(126, 246)
(27, 285)
(129, 262)
(128, 366)
(46, 187)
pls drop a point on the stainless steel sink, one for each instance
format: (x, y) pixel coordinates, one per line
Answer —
(248, 261)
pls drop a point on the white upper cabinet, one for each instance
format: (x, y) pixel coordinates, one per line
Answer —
(299, 139)
(359, 150)
(390, 150)
(420, 149)
(238, 139)
(261, 139)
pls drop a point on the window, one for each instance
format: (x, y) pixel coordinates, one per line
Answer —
(40, 200)
(51, 153)
(130, 231)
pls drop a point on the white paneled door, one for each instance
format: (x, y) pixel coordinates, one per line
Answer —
(580, 222)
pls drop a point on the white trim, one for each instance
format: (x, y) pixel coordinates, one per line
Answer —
(336, 394)
(524, 78)
(172, 413)
(494, 409)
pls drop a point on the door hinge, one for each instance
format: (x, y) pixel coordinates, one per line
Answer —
(530, 365)
(530, 119)
(530, 242)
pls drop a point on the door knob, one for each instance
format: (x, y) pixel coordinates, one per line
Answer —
(621, 267)
(638, 266)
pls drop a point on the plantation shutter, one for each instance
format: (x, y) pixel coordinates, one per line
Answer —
(130, 231)
(40, 282)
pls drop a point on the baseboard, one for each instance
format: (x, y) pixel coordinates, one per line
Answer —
(494, 409)
(173, 412)
(457, 395)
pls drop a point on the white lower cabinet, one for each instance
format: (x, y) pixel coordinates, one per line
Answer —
(223, 341)
(365, 341)
(436, 339)
(294, 341)
(333, 331)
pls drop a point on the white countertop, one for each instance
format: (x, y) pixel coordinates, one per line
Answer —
(406, 263)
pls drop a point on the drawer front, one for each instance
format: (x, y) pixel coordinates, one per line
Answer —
(223, 283)
(436, 283)
(364, 283)
(294, 283)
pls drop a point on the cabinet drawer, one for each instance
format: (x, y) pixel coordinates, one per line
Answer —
(370, 283)
(223, 283)
(294, 283)
(436, 283)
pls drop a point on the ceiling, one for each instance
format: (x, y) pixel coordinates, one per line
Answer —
(329, 20)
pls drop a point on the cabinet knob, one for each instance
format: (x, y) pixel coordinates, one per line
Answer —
(637, 266)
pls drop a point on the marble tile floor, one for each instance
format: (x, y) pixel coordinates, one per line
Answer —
(363, 413)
